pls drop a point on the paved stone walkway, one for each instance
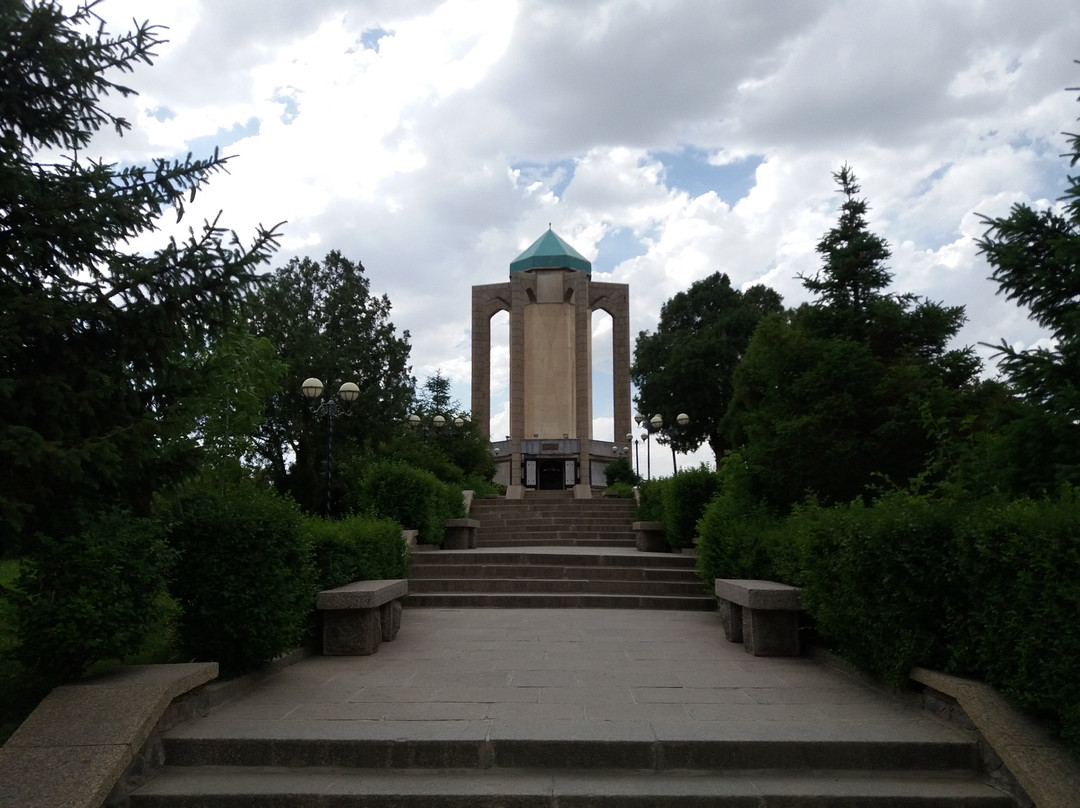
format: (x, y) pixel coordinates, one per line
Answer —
(584, 674)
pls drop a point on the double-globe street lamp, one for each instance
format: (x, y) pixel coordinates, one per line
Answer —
(329, 408)
(656, 424)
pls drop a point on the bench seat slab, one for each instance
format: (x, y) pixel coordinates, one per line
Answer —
(362, 594)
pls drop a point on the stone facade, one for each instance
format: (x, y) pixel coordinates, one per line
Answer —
(551, 305)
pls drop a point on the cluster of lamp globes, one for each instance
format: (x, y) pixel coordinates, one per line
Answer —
(439, 421)
(656, 423)
(313, 388)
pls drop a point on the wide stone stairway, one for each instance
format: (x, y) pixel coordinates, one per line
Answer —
(553, 518)
(632, 698)
(551, 551)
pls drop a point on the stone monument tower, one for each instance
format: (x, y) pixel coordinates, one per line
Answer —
(551, 298)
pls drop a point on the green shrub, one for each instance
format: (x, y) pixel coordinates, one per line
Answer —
(685, 497)
(620, 471)
(651, 500)
(244, 577)
(738, 533)
(356, 549)
(620, 490)
(89, 597)
(415, 499)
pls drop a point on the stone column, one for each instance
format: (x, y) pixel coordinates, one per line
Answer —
(486, 301)
(614, 298)
(582, 381)
(518, 301)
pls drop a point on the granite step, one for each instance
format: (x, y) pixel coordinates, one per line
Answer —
(490, 585)
(550, 557)
(427, 745)
(550, 600)
(230, 787)
(420, 569)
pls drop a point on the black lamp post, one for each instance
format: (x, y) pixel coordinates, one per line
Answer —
(681, 420)
(330, 408)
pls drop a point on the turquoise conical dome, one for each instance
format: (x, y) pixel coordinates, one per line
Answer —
(550, 252)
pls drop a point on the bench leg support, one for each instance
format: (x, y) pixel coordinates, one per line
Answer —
(351, 632)
(390, 619)
(731, 618)
(768, 632)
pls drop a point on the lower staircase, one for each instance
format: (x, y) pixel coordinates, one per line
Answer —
(563, 773)
(452, 733)
(551, 551)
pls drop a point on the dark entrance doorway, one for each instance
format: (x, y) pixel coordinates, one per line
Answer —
(549, 476)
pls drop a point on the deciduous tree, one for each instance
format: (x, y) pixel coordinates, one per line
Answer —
(687, 364)
(324, 321)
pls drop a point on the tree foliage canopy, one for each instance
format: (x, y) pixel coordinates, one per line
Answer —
(91, 332)
(323, 321)
(836, 394)
(687, 365)
(1035, 256)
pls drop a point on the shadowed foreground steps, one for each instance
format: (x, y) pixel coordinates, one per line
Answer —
(566, 707)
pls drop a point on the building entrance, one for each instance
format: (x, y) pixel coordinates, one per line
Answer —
(550, 475)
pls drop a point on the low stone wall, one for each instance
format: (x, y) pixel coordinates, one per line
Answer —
(76, 747)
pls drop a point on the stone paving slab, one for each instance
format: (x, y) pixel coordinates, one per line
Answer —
(643, 676)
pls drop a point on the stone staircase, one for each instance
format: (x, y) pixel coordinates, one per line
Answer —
(549, 550)
(540, 708)
(547, 578)
(554, 519)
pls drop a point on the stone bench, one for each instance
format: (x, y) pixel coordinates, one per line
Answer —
(650, 537)
(460, 534)
(762, 615)
(358, 616)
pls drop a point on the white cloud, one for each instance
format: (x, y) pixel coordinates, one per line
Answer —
(435, 158)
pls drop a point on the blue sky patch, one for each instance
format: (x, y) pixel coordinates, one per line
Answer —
(370, 38)
(292, 109)
(224, 138)
(689, 170)
(615, 247)
(927, 183)
(161, 114)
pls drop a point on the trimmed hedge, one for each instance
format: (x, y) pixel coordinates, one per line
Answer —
(356, 549)
(244, 577)
(879, 581)
(415, 499)
(984, 588)
(1019, 626)
(685, 496)
(679, 502)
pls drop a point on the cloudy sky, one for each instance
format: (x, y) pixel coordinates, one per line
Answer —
(433, 140)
